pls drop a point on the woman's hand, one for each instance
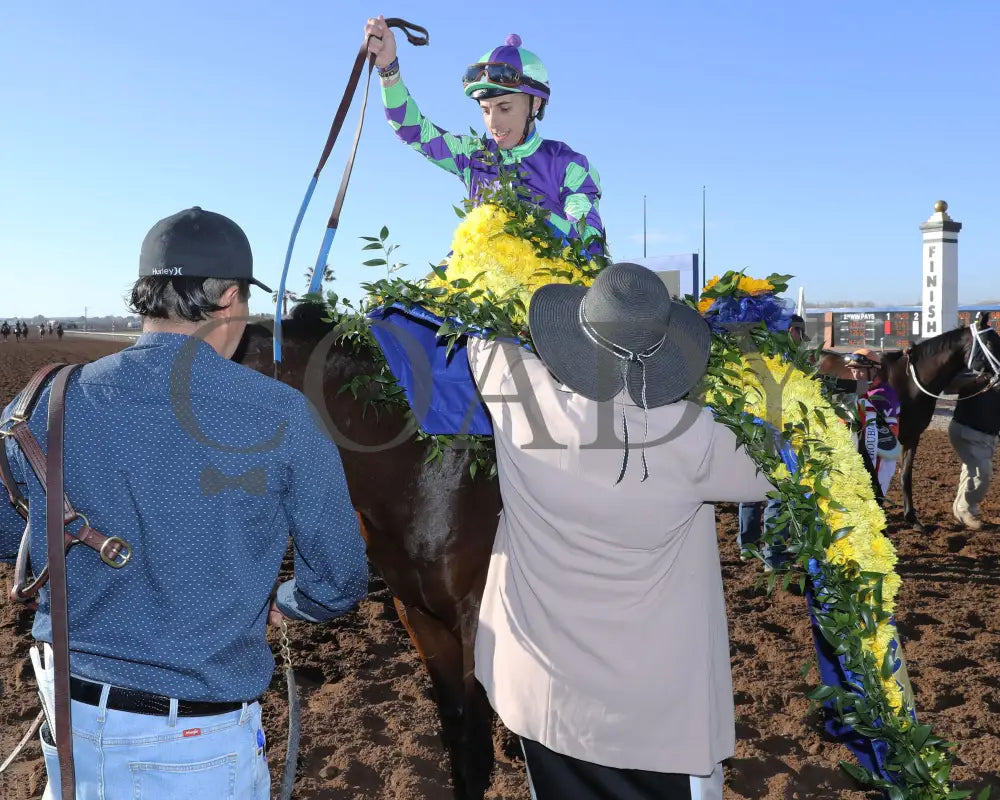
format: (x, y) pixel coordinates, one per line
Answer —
(381, 41)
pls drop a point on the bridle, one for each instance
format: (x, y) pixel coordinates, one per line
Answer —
(977, 344)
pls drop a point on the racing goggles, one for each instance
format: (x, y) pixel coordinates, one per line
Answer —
(859, 361)
(499, 74)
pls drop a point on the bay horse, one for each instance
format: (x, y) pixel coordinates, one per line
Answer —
(429, 527)
(963, 358)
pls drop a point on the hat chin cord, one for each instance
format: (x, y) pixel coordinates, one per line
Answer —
(627, 357)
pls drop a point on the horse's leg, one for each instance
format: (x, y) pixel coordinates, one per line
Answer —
(906, 481)
(441, 652)
(478, 718)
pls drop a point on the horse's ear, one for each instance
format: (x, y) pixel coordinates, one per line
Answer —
(983, 320)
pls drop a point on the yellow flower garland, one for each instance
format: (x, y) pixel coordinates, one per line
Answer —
(844, 475)
(481, 244)
(505, 253)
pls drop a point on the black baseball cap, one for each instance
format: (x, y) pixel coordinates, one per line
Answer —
(198, 243)
(797, 322)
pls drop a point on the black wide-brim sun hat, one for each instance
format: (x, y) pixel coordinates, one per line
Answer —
(627, 309)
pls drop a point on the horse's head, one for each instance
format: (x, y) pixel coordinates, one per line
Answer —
(833, 364)
(982, 351)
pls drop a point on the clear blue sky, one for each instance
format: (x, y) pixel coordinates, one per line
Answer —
(824, 133)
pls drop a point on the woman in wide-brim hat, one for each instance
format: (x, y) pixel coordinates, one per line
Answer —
(602, 635)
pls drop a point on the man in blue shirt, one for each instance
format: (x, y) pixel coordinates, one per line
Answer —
(205, 468)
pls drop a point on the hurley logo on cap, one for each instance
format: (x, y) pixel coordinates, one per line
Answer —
(168, 270)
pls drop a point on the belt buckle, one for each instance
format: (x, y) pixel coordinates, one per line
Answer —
(116, 559)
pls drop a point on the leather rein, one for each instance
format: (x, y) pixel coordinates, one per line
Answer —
(417, 36)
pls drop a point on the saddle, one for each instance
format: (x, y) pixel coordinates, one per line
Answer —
(59, 513)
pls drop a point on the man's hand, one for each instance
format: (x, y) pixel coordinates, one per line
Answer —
(381, 41)
(275, 617)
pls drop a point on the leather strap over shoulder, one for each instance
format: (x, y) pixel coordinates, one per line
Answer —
(20, 414)
(114, 551)
(55, 528)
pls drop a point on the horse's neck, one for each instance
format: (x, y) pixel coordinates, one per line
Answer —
(937, 381)
(362, 412)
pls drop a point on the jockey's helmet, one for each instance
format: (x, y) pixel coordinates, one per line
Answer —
(865, 357)
(508, 69)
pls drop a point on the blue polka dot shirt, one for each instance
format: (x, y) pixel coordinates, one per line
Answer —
(205, 468)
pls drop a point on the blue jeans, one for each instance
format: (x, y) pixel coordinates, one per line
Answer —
(753, 518)
(119, 755)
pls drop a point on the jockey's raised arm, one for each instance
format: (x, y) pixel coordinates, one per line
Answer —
(510, 85)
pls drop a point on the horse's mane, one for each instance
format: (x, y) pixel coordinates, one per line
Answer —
(939, 344)
(306, 322)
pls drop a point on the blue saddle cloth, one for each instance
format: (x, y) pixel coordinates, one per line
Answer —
(439, 388)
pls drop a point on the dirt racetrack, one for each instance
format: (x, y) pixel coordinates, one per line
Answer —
(369, 725)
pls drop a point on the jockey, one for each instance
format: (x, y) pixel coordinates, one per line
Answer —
(510, 85)
(878, 412)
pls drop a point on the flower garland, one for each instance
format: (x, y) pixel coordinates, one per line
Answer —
(848, 502)
(835, 528)
(733, 285)
(487, 242)
(505, 236)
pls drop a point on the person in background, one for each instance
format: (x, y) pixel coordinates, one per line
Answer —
(878, 414)
(602, 639)
(797, 329)
(973, 431)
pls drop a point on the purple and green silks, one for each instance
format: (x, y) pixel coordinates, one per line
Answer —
(565, 183)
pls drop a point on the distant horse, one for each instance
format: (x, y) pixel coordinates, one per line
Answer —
(963, 358)
(429, 527)
(17, 331)
(5, 331)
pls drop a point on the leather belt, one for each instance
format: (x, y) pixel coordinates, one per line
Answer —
(136, 702)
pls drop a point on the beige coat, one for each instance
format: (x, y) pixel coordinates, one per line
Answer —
(602, 631)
